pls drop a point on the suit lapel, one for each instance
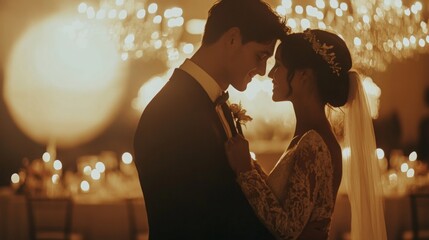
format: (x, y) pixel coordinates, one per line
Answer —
(182, 78)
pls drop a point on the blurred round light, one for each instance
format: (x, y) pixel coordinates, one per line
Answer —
(380, 153)
(195, 26)
(87, 170)
(413, 156)
(100, 167)
(55, 178)
(153, 7)
(410, 173)
(46, 157)
(84, 186)
(346, 152)
(393, 178)
(62, 84)
(95, 174)
(141, 13)
(127, 158)
(14, 178)
(58, 165)
(404, 167)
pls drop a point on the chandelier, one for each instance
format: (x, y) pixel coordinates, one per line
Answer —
(376, 31)
(138, 28)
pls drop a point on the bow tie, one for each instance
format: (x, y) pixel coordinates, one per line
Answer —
(221, 101)
(222, 98)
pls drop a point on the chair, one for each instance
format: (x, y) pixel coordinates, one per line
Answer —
(137, 218)
(50, 218)
(419, 202)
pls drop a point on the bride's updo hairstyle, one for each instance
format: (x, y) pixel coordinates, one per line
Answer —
(324, 52)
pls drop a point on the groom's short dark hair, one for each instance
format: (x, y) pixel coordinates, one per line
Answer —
(256, 20)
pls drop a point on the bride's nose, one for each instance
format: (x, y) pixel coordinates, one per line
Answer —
(271, 73)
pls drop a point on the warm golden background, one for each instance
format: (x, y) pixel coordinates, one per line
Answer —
(102, 116)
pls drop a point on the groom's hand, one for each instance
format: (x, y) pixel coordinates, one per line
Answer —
(237, 150)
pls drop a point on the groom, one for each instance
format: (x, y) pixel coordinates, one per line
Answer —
(189, 189)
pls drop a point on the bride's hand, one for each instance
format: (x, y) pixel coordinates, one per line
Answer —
(237, 150)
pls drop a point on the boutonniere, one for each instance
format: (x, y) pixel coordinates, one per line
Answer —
(239, 114)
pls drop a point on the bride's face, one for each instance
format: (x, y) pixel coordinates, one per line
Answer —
(278, 74)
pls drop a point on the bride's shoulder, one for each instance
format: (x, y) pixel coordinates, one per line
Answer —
(323, 147)
(314, 144)
(311, 138)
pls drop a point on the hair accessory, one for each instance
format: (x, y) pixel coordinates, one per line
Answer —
(322, 50)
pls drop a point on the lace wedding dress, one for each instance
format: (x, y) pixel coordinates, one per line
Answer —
(298, 190)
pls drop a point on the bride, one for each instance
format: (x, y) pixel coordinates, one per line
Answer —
(313, 70)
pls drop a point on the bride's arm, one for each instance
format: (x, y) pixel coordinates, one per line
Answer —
(237, 149)
(260, 170)
(284, 219)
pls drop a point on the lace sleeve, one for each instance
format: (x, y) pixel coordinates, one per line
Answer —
(260, 170)
(287, 219)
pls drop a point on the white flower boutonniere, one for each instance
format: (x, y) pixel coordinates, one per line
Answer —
(239, 114)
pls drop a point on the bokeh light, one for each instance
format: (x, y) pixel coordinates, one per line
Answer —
(64, 81)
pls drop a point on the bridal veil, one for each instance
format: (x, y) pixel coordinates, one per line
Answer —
(361, 169)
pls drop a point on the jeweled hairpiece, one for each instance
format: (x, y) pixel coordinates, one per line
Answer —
(322, 50)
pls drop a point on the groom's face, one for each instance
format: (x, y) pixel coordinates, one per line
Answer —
(250, 60)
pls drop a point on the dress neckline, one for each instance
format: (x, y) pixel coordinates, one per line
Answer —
(290, 147)
(301, 137)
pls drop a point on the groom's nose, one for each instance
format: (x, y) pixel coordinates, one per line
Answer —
(261, 68)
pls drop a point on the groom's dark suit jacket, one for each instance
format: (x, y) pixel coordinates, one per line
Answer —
(189, 189)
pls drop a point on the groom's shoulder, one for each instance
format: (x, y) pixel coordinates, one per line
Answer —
(182, 88)
(183, 82)
(180, 93)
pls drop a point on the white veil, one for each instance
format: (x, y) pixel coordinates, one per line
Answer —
(362, 180)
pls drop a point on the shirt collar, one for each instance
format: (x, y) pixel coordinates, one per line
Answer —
(211, 87)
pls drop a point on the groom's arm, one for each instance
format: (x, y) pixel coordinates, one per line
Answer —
(195, 178)
(175, 182)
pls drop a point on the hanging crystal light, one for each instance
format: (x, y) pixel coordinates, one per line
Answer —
(138, 28)
(376, 31)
